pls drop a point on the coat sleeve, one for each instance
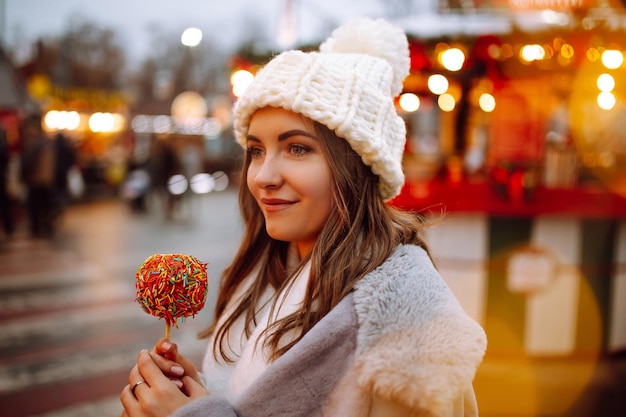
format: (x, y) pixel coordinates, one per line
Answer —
(206, 407)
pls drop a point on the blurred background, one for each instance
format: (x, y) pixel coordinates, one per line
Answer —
(116, 143)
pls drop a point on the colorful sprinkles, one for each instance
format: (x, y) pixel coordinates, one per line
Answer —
(172, 286)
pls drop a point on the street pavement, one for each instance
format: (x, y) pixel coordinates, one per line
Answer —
(70, 329)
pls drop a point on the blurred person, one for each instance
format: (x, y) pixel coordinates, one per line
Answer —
(165, 164)
(65, 159)
(38, 156)
(136, 185)
(6, 214)
(332, 305)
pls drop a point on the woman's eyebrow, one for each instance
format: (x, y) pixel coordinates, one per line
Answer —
(284, 136)
(295, 132)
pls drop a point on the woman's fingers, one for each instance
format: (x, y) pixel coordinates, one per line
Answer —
(167, 366)
(166, 349)
(178, 364)
(192, 388)
(129, 402)
(149, 370)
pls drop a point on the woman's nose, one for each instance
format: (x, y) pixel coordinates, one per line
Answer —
(268, 174)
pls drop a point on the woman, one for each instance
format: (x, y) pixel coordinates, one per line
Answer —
(332, 306)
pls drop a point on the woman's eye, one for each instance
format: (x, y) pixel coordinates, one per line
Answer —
(298, 150)
(255, 152)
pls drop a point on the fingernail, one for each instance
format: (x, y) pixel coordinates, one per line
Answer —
(166, 345)
(177, 370)
(177, 382)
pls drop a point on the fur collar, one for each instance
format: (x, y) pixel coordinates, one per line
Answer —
(416, 345)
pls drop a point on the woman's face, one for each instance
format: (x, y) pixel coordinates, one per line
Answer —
(289, 176)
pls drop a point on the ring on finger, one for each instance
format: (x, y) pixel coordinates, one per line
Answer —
(136, 385)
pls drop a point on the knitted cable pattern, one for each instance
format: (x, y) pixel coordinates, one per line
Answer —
(349, 86)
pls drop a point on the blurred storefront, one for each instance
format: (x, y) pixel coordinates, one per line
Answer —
(516, 132)
(15, 102)
(15, 106)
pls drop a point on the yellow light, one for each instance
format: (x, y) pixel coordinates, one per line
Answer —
(605, 82)
(612, 58)
(105, 122)
(452, 59)
(438, 84)
(240, 80)
(567, 51)
(593, 54)
(446, 102)
(530, 53)
(51, 120)
(606, 100)
(61, 120)
(409, 102)
(487, 102)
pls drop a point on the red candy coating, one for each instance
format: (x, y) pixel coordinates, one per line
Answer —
(172, 286)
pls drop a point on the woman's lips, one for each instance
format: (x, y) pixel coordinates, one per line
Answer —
(275, 204)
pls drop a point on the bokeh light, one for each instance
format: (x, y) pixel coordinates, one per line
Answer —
(61, 120)
(177, 184)
(221, 180)
(191, 37)
(202, 183)
(240, 80)
(446, 102)
(612, 59)
(530, 53)
(606, 100)
(409, 102)
(605, 82)
(487, 102)
(438, 84)
(452, 59)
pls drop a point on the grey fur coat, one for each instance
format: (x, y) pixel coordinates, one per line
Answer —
(400, 336)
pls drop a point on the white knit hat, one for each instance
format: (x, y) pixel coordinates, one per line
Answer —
(348, 86)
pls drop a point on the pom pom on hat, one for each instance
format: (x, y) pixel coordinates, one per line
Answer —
(375, 38)
(349, 86)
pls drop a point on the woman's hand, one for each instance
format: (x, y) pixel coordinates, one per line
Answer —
(151, 393)
(165, 355)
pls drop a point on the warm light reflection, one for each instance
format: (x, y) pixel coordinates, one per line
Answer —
(606, 100)
(605, 82)
(61, 120)
(446, 102)
(530, 53)
(100, 122)
(240, 80)
(506, 51)
(567, 51)
(487, 102)
(593, 54)
(438, 84)
(409, 102)
(452, 59)
(612, 59)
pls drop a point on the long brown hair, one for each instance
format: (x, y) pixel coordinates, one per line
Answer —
(361, 223)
